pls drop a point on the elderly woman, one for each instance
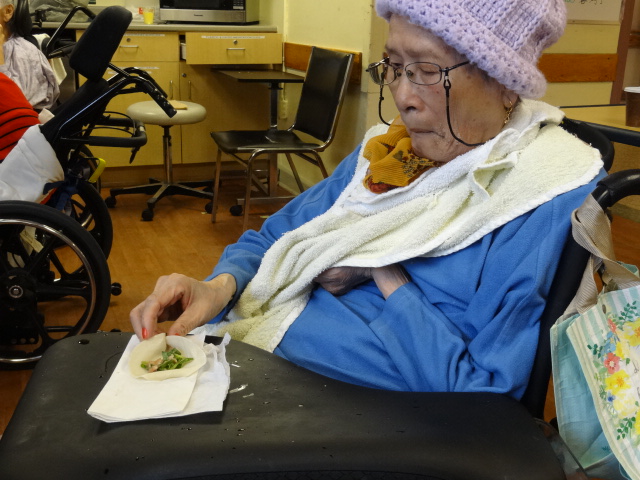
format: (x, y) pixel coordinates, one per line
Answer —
(23, 63)
(424, 261)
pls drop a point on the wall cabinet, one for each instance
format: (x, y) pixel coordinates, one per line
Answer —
(229, 104)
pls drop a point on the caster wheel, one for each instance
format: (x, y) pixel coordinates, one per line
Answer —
(236, 210)
(110, 201)
(116, 289)
(147, 215)
(208, 207)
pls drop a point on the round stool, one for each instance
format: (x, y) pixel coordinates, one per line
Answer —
(150, 113)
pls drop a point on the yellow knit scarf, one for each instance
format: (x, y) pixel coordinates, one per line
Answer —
(392, 163)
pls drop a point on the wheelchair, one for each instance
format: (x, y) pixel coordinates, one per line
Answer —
(54, 276)
(282, 421)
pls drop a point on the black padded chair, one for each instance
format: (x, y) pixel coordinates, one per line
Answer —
(565, 283)
(594, 137)
(282, 421)
(321, 98)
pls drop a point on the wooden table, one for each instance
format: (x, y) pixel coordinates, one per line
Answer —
(609, 119)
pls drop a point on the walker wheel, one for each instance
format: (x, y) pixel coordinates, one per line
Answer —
(208, 207)
(236, 210)
(110, 201)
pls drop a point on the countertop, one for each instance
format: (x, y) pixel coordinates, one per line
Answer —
(173, 27)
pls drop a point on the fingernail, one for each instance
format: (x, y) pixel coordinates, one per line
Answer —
(145, 334)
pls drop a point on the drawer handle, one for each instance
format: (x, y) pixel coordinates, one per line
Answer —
(129, 46)
(236, 48)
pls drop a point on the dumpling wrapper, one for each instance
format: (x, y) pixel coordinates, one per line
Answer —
(151, 349)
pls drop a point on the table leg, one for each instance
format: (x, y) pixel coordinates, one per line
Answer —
(273, 175)
(274, 88)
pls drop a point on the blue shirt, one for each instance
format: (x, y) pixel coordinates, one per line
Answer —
(467, 321)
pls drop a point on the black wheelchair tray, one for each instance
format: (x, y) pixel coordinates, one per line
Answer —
(287, 422)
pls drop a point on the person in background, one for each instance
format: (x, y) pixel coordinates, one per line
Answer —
(27, 160)
(16, 115)
(25, 64)
(424, 261)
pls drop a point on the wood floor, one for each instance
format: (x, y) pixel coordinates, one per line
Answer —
(182, 239)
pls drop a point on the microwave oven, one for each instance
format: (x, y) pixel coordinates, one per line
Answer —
(235, 12)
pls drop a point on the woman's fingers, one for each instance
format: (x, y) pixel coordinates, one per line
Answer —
(191, 303)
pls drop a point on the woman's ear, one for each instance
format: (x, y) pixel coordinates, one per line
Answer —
(7, 13)
(509, 98)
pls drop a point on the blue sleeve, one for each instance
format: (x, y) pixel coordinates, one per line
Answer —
(478, 333)
(243, 258)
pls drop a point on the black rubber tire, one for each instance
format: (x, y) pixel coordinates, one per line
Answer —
(89, 210)
(49, 265)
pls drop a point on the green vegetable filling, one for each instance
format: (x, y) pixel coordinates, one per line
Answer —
(171, 360)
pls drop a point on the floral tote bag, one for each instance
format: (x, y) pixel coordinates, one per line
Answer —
(596, 358)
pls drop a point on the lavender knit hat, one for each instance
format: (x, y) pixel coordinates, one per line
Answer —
(502, 37)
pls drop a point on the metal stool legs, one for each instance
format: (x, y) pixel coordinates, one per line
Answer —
(160, 189)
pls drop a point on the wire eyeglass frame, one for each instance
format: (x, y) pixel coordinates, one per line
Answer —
(372, 69)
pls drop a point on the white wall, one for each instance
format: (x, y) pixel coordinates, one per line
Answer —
(339, 24)
(632, 68)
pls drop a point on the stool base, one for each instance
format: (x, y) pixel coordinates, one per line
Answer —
(159, 190)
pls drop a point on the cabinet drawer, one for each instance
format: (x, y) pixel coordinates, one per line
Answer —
(147, 47)
(209, 48)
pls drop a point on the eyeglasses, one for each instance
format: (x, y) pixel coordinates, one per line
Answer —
(420, 73)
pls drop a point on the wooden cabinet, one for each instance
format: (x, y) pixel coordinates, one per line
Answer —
(229, 104)
(207, 48)
(148, 47)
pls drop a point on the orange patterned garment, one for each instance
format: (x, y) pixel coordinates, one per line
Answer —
(392, 163)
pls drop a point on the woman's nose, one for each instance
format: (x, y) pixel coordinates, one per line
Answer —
(405, 93)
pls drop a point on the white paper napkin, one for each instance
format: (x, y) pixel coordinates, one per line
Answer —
(126, 398)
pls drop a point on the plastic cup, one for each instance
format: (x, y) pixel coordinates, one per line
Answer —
(147, 15)
(632, 95)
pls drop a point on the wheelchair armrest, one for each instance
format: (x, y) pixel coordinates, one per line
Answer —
(137, 138)
(616, 186)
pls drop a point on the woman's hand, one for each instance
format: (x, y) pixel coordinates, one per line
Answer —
(189, 302)
(389, 278)
(339, 280)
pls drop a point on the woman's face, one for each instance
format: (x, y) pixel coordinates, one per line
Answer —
(477, 103)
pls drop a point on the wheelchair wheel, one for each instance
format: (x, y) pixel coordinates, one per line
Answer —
(88, 208)
(54, 281)
(82, 157)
